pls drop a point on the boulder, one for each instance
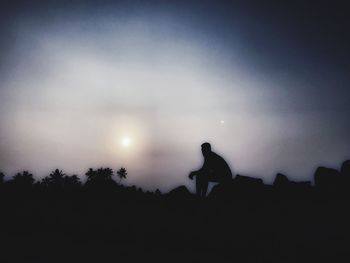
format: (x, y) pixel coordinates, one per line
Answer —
(246, 181)
(180, 192)
(345, 169)
(281, 180)
(327, 179)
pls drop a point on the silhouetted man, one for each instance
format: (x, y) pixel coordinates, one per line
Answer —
(214, 169)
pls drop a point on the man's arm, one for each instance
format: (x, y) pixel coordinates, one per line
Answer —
(192, 174)
(206, 168)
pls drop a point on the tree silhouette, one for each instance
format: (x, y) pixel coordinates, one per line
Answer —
(71, 181)
(91, 174)
(56, 179)
(122, 173)
(45, 181)
(59, 181)
(23, 179)
(100, 177)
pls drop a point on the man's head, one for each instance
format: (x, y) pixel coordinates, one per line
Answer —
(206, 148)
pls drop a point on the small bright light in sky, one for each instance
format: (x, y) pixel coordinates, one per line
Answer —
(222, 122)
(126, 141)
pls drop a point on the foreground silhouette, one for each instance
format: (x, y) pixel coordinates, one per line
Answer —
(215, 169)
(60, 219)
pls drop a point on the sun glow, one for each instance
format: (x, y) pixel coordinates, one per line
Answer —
(126, 141)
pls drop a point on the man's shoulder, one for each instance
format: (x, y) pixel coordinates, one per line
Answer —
(216, 156)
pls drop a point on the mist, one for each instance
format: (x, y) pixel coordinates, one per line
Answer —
(73, 84)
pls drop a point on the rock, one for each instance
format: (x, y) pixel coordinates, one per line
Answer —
(180, 192)
(281, 180)
(327, 179)
(345, 169)
(247, 181)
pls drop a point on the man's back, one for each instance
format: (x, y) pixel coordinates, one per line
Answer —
(217, 167)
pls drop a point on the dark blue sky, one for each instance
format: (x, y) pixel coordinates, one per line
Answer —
(276, 73)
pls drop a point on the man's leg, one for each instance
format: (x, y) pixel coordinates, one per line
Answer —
(201, 185)
(198, 185)
(205, 186)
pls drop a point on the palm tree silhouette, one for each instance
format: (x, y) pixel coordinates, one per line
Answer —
(99, 177)
(122, 173)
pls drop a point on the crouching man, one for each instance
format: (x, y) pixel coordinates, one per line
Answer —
(214, 169)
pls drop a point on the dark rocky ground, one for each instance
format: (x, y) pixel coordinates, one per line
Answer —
(83, 227)
(58, 219)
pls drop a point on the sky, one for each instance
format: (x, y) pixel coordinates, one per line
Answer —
(142, 84)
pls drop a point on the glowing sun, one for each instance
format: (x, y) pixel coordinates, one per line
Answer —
(126, 141)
